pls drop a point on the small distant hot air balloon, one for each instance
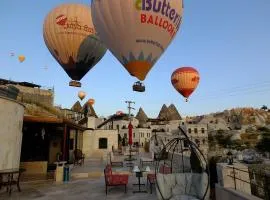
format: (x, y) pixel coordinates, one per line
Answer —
(12, 54)
(81, 94)
(118, 113)
(70, 36)
(185, 80)
(91, 102)
(21, 58)
(137, 45)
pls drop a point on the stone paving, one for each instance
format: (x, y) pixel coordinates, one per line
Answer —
(87, 183)
(75, 190)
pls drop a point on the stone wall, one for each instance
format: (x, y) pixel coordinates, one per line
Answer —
(28, 95)
(11, 120)
(91, 142)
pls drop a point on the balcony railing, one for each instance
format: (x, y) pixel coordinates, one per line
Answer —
(259, 182)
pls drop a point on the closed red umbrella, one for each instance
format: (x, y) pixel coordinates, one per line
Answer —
(130, 134)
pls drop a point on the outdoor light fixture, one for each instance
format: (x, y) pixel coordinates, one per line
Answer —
(230, 158)
(136, 169)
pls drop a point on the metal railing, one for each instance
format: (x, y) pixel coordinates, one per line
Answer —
(259, 183)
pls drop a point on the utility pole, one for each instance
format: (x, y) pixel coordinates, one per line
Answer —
(130, 131)
(130, 108)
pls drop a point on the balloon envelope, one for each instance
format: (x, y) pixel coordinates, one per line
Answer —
(185, 80)
(91, 101)
(21, 58)
(118, 113)
(70, 36)
(81, 95)
(137, 32)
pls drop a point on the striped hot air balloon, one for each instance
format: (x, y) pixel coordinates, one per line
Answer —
(71, 38)
(185, 80)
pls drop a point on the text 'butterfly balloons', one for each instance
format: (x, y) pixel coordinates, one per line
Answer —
(137, 32)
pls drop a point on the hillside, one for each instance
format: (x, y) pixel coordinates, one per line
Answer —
(237, 118)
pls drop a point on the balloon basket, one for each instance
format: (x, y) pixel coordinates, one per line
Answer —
(138, 87)
(75, 84)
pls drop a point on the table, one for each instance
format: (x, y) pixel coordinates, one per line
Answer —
(139, 175)
(11, 181)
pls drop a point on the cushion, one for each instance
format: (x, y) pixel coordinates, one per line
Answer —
(198, 184)
(118, 179)
(165, 183)
(183, 183)
(183, 197)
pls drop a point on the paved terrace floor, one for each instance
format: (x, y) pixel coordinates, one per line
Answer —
(87, 183)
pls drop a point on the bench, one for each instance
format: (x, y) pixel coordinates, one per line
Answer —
(114, 179)
(78, 157)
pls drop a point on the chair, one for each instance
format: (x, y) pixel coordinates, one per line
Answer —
(78, 157)
(11, 179)
(151, 178)
(147, 160)
(181, 186)
(114, 179)
(114, 161)
(189, 177)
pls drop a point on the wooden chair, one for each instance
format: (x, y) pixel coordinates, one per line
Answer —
(7, 180)
(147, 160)
(114, 179)
(114, 161)
(78, 157)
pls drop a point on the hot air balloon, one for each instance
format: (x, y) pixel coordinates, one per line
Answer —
(137, 32)
(12, 54)
(185, 80)
(70, 36)
(91, 102)
(118, 113)
(81, 95)
(21, 58)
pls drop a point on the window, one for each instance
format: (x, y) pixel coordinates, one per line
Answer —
(133, 135)
(185, 144)
(125, 135)
(202, 130)
(71, 144)
(103, 143)
(195, 130)
(117, 126)
(203, 141)
(183, 123)
(189, 130)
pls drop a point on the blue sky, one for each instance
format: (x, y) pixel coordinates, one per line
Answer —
(228, 42)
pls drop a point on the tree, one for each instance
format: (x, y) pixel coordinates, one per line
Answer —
(264, 107)
(264, 144)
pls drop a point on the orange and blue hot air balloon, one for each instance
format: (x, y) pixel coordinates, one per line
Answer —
(185, 80)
